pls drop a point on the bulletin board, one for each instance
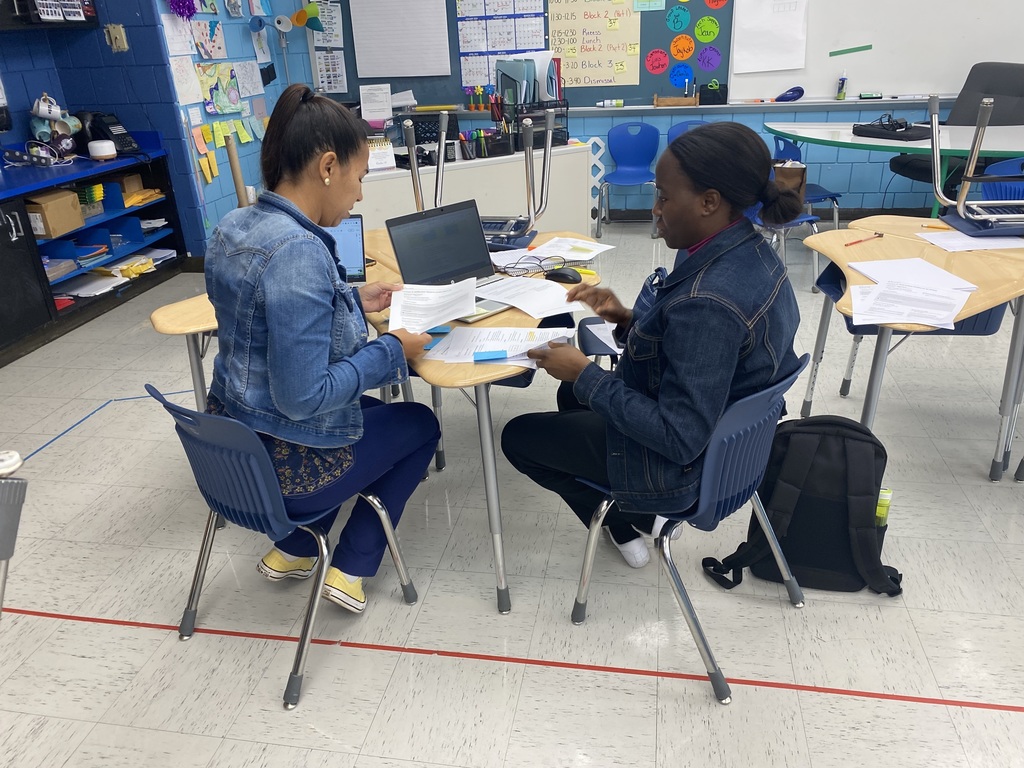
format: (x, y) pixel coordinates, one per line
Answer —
(904, 48)
(656, 63)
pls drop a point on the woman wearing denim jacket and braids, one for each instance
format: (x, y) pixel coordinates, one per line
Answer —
(714, 329)
(294, 357)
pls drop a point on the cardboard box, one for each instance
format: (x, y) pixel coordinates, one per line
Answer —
(130, 182)
(790, 174)
(52, 214)
(92, 209)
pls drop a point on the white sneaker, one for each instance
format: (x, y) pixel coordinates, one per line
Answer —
(659, 523)
(634, 551)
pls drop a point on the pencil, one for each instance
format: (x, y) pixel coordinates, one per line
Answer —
(865, 239)
(935, 226)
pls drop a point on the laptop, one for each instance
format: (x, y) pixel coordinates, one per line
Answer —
(348, 237)
(442, 246)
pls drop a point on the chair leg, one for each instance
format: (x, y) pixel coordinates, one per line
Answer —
(819, 353)
(814, 261)
(835, 213)
(435, 401)
(844, 388)
(600, 208)
(579, 608)
(718, 682)
(408, 588)
(407, 395)
(188, 619)
(294, 686)
(796, 595)
(385, 394)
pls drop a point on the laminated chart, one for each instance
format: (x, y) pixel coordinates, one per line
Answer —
(598, 42)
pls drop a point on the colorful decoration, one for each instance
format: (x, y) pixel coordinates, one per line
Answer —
(186, 9)
(309, 17)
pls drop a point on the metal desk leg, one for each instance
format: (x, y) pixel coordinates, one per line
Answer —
(1009, 401)
(195, 363)
(435, 402)
(819, 352)
(867, 415)
(487, 456)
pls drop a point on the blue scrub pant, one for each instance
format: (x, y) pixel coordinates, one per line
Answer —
(398, 442)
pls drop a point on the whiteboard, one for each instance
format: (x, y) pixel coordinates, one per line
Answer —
(917, 47)
(398, 38)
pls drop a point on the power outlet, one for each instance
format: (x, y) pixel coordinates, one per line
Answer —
(116, 37)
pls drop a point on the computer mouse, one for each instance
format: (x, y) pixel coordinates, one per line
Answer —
(563, 275)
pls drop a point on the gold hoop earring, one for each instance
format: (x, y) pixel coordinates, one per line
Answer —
(327, 181)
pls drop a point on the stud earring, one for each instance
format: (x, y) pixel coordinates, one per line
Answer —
(327, 181)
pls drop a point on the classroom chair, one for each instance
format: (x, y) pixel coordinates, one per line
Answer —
(1002, 81)
(832, 285)
(814, 194)
(779, 232)
(734, 464)
(633, 147)
(679, 129)
(591, 346)
(237, 479)
(1004, 190)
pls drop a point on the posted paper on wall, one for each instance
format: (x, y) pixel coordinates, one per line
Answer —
(769, 35)
(380, 26)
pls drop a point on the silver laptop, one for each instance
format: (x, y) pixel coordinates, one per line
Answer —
(445, 245)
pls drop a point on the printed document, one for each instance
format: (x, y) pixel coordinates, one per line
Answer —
(537, 298)
(503, 345)
(912, 271)
(419, 307)
(569, 249)
(958, 241)
(895, 303)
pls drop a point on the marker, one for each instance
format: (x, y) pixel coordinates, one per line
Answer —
(583, 271)
(865, 239)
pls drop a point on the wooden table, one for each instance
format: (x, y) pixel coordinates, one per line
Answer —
(998, 274)
(194, 319)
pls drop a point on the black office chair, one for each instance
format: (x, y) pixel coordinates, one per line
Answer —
(1002, 81)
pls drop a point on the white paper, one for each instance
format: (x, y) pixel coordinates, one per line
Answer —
(955, 242)
(462, 344)
(330, 18)
(92, 284)
(178, 34)
(256, 8)
(186, 83)
(195, 116)
(605, 333)
(913, 272)
(537, 298)
(403, 99)
(768, 35)
(375, 102)
(260, 46)
(330, 72)
(250, 83)
(570, 249)
(380, 28)
(419, 307)
(898, 303)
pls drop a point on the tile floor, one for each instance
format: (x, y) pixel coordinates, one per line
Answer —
(93, 674)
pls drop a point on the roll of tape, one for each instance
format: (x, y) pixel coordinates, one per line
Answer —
(256, 23)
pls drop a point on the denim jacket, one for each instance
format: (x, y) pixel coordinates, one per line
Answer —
(716, 329)
(293, 355)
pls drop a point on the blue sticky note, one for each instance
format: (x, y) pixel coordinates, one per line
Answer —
(439, 329)
(497, 354)
(432, 344)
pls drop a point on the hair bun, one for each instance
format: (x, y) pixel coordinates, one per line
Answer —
(308, 95)
(769, 193)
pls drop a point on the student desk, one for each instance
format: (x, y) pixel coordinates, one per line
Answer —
(193, 318)
(954, 140)
(998, 274)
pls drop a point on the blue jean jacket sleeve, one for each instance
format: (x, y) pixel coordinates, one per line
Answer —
(690, 377)
(308, 374)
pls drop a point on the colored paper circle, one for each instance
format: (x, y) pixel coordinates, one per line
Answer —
(706, 29)
(678, 18)
(656, 61)
(715, 4)
(682, 47)
(709, 58)
(681, 75)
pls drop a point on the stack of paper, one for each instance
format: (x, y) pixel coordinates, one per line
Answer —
(908, 291)
(504, 346)
(537, 298)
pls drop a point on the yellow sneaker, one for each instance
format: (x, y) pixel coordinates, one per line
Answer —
(341, 591)
(276, 566)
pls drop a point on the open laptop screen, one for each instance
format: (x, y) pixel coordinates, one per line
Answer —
(348, 237)
(441, 245)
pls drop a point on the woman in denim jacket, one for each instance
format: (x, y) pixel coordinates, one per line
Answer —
(293, 355)
(716, 328)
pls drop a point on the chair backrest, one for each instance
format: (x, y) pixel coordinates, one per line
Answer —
(633, 145)
(786, 150)
(232, 468)
(1004, 190)
(737, 454)
(679, 129)
(1003, 81)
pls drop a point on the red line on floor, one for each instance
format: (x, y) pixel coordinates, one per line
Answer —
(534, 662)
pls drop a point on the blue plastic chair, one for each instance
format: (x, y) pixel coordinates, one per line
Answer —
(814, 194)
(831, 284)
(679, 129)
(1004, 190)
(633, 147)
(237, 479)
(779, 232)
(734, 465)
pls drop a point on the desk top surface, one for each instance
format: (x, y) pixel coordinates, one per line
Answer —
(196, 315)
(1000, 140)
(999, 275)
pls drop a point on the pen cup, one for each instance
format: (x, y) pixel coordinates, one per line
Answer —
(468, 150)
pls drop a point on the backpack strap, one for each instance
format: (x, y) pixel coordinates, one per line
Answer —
(862, 498)
(796, 465)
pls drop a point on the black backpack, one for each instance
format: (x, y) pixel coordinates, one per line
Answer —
(820, 491)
